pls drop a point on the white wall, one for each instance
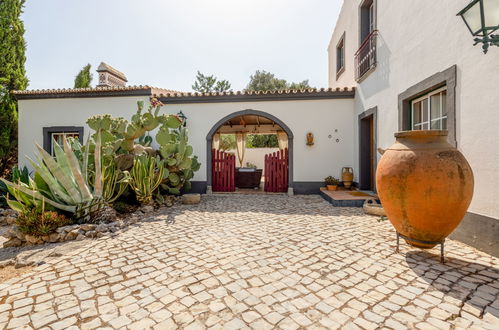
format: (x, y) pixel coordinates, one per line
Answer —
(36, 114)
(321, 117)
(418, 38)
(254, 156)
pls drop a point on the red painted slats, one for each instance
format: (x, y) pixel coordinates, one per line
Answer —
(223, 171)
(276, 171)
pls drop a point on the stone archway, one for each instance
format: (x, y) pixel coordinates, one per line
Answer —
(248, 112)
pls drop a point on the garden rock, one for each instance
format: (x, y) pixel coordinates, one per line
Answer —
(14, 231)
(147, 209)
(33, 239)
(190, 199)
(13, 242)
(87, 227)
(54, 237)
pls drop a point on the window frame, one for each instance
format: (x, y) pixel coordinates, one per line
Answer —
(438, 91)
(341, 42)
(367, 12)
(48, 131)
(447, 77)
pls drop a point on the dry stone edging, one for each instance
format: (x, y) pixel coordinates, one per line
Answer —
(78, 232)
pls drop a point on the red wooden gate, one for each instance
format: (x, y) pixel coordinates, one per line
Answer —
(276, 171)
(223, 169)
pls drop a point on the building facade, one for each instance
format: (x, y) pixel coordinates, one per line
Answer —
(414, 66)
(327, 114)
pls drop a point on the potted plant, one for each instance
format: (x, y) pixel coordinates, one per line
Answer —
(331, 183)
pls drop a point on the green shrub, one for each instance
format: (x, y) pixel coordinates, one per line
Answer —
(39, 223)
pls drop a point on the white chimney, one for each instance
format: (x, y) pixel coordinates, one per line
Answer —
(110, 77)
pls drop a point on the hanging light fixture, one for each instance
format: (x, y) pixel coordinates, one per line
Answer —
(482, 19)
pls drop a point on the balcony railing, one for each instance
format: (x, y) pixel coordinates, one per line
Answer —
(365, 57)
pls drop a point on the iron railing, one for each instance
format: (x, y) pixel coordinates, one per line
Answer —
(365, 57)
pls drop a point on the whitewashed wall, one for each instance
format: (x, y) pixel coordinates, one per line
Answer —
(418, 38)
(321, 117)
(36, 114)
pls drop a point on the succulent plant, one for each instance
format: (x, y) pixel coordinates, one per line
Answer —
(62, 181)
(123, 141)
(146, 176)
(177, 153)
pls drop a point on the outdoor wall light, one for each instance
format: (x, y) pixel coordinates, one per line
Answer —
(182, 117)
(482, 19)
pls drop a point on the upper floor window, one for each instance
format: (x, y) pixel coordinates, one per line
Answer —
(366, 57)
(367, 19)
(430, 111)
(340, 56)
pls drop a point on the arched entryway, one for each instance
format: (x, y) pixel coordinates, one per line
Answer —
(248, 114)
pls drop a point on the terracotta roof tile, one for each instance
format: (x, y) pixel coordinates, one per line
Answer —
(310, 91)
(88, 92)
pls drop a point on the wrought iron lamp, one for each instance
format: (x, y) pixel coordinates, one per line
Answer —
(482, 19)
(182, 117)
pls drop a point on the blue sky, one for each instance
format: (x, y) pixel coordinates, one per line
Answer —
(164, 42)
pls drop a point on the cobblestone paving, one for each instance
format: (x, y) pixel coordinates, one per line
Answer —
(256, 262)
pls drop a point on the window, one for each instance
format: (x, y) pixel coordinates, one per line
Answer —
(57, 133)
(366, 55)
(429, 111)
(430, 104)
(367, 19)
(340, 56)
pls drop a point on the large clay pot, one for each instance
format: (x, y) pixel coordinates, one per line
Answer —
(425, 186)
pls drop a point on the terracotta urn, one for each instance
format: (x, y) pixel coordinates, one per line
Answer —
(425, 186)
(347, 176)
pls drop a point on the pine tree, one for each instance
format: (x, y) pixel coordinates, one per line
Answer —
(84, 77)
(208, 84)
(12, 74)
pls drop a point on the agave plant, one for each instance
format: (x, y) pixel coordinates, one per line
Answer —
(114, 181)
(61, 181)
(146, 176)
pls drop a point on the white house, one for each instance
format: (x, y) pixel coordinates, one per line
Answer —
(327, 114)
(412, 60)
(393, 65)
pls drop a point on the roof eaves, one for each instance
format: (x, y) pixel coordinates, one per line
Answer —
(242, 96)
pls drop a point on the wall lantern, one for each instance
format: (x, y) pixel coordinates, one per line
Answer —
(482, 19)
(182, 117)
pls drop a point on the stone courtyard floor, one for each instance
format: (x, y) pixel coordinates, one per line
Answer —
(259, 262)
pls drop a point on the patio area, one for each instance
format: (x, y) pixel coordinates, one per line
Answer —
(259, 262)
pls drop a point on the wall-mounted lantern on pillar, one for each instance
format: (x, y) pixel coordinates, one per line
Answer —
(182, 117)
(482, 19)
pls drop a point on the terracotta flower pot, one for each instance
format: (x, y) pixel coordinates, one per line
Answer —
(425, 185)
(331, 187)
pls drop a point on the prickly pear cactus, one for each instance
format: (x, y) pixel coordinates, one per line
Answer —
(174, 148)
(120, 139)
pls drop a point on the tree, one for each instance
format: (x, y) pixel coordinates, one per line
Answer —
(84, 77)
(262, 141)
(228, 142)
(301, 85)
(12, 74)
(266, 81)
(208, 84)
